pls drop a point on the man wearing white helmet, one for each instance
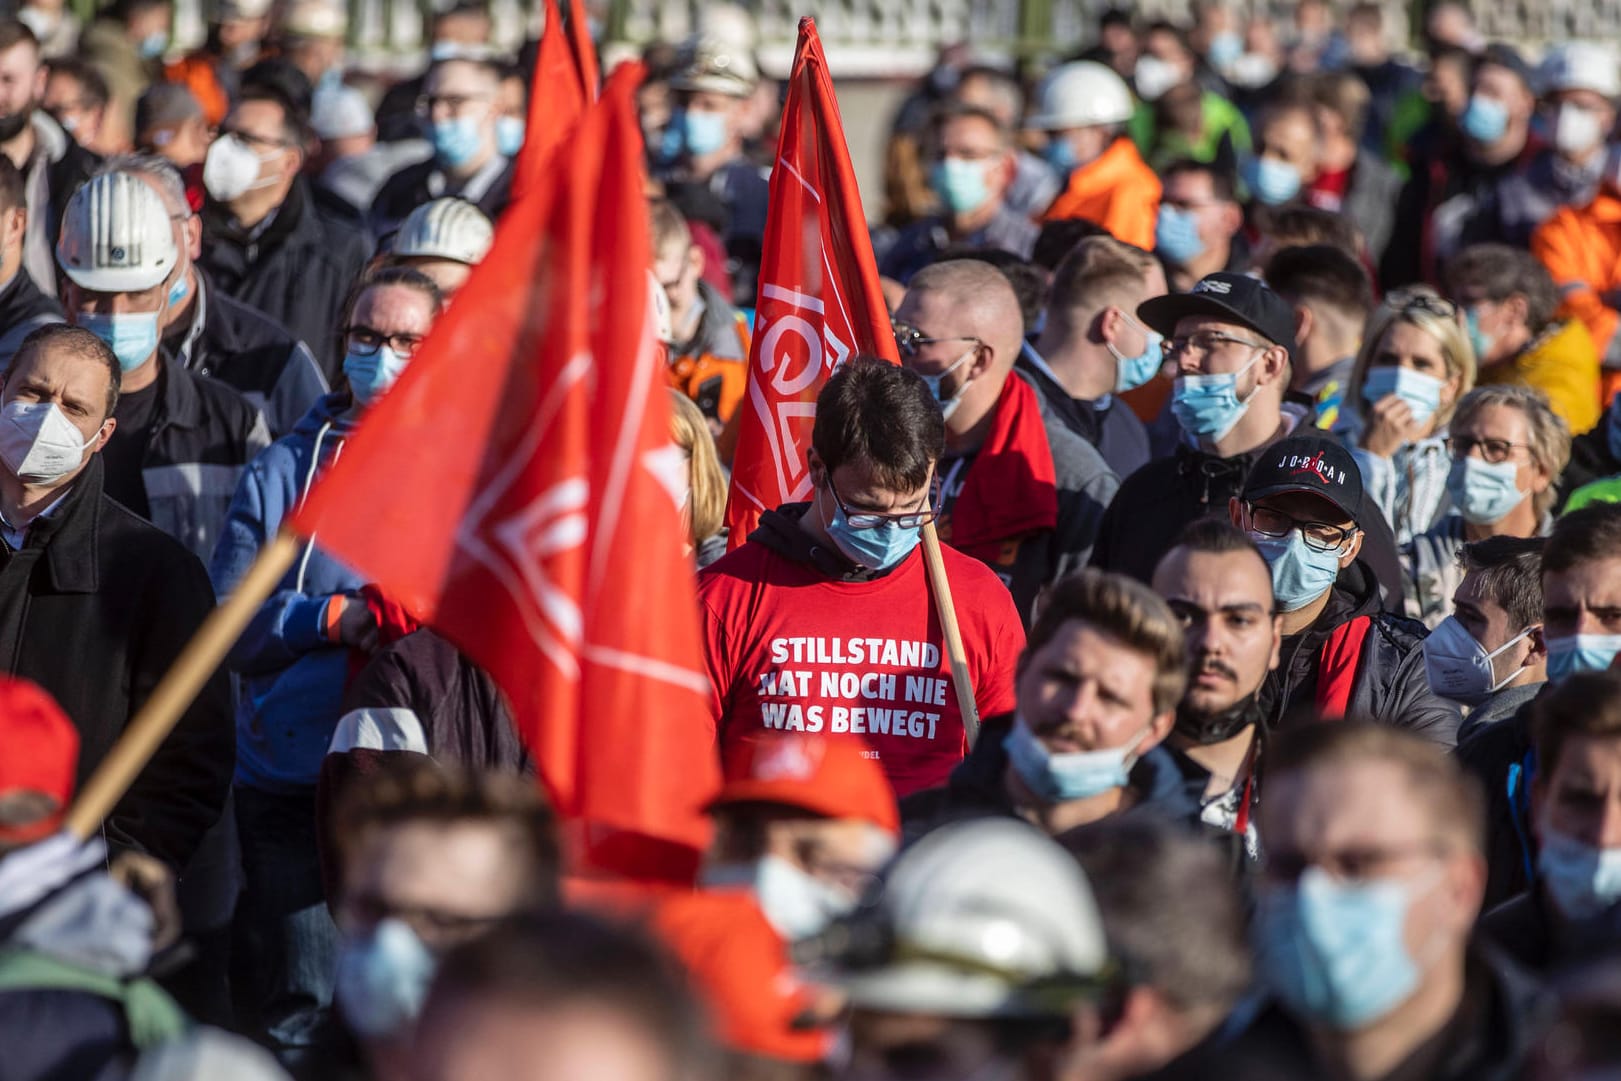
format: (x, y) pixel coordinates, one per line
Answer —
(1084, 108)
(445, 239)
(184, 439)
(984, 942)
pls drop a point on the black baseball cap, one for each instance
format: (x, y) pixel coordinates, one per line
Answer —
(1308, 463)
(1232, 298)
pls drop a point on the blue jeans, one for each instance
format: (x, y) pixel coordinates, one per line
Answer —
(289, 943)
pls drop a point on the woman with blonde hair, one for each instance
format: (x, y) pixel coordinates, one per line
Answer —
(705, 509)
(1414, 366)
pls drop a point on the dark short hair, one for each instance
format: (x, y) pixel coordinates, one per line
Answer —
(280, 82)
(1098, 271)
(1123, 608)
(1170, 909)
(418, 789)
(1509, 570)
(557, 961)
(1500, 271)
(1215, 536)
(13, 192)
(75, 340)
(1583, 536)
(1223, 185)
(1295, 224)
(957, 110)
(1582, 704)
(15, 32)
(882, 414)
(92, 85)
(377, 278)
(1058, 238)
(1028, 281)
(126, 10)
(490, 68)
(1323, 274)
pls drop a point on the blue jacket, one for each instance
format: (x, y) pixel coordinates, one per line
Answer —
(290, 676)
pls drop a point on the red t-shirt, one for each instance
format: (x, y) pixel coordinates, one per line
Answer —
(790, 649)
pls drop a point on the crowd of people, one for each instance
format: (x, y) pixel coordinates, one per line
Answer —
(1259, 381)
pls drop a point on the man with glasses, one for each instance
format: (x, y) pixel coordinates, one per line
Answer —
(264, 242)
(458, 107)
(824, 620)
(1342, 654)
(1019, 490)
(1200, 226)
(1373, 871)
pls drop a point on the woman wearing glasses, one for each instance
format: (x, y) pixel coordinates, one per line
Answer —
(1414, 365)
(293, 660)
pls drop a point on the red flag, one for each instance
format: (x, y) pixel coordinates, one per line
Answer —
(585, 51)
(556, 101)
(518, 491)
(819, 302)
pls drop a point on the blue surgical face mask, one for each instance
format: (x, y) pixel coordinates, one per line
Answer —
(1336, 953)
(1421, 392)
(382, 979)
(1482, 491)
(151, 47)
(1225, 49)
(702, 132)
(1581, 653)
(178, 291)
(1208, 406)
(961, 185)
(1134, 371)
(1176, 235)
(1484, 120)
(1300, 573)
(456, 140)
(881, 548)
(509, 133)
(1479, 340)
(1271, 181)
(1060, 154)
(1058, 778)
(370, 377)
(1583, 881)
(936, 382)
(132, 336)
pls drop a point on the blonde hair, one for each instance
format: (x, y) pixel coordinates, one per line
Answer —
(1455, 348)
(690, 431)
(1549, 438)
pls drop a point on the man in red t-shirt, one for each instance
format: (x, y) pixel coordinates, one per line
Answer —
(823, 621)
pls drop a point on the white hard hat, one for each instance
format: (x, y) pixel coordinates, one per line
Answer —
(116, 236)
(446, 229)
(1081, 95)
(1581, 65)
(205, 1054)
(314, 19)
(340, 112)
(715, 65)
(987, 918)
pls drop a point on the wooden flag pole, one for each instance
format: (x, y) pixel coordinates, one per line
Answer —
(180, 684)
(948, 623)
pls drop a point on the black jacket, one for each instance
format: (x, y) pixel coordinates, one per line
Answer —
(1112, 428)
(1390, 685)
(202, 434)
(977, 788)
(23, 310)
(94, 608)
(1155, 503)
(1590, 460)
(1502, 1014)
(1504, 760)
(423, 182)
(246, 349)
(297, 272)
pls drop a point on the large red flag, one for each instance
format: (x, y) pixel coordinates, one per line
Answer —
(818, 303)
(518, 491)
(556, 101)
(584, 50)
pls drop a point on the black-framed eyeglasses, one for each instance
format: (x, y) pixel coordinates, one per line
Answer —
(1494, 451)
(909, 339)
(866, 519)
(453, 104)
(1413, 300)
(365, 341)
(1318, 535)
(1202, 343)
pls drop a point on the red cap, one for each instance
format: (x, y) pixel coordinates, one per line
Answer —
(829, 776)
(41, 753)
(739, 964)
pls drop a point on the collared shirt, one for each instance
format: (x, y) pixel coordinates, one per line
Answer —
(16, 536)
(477, 185)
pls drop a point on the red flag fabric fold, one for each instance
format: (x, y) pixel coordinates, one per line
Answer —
(556, 102)
(819, 303)
(518, 491)
(584, 50)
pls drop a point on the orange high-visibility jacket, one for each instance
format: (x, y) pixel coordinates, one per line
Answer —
(1581, 247)
(1118, 191)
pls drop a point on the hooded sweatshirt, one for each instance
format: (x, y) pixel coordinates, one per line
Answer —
(291, 675)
